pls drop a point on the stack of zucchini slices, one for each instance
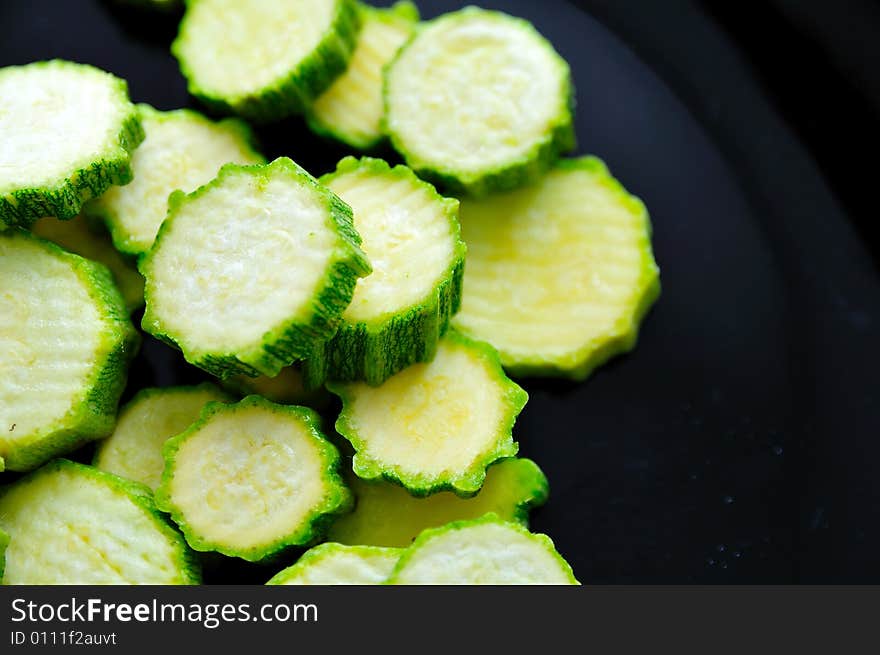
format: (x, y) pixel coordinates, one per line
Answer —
(408, 292)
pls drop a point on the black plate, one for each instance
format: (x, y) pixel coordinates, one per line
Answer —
(738, 443)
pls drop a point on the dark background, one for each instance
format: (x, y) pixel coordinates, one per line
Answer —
(740, 442)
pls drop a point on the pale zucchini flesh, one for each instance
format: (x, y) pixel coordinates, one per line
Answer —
(337, 564)
(250, 479)
(253, 270)
(412, 238)
(478, 101)
(182, 151)
(66, 135)
(559, 275)
(484, 551)
(73, 524)
(264, 59)
(433, 426)
(351, 110)
(79, 237)
(65, 345)
(385, 514)
(134, 450)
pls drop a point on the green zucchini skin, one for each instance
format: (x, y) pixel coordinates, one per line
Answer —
(4, 542)
(374, 351)
(64, 199)
(293, 340)
(295, 91)
(92, 416)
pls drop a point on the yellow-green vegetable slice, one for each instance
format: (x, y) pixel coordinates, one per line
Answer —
(65, 344)
(434, 426)
(79, 237)
(478, 101)
(286, 388)
(351, 110)
(484, 551)
(251, 478)
(412, 238)
(337, 564)
(387, 515)
(66, 135)
(4, 543)
(72, 524)
(253, 270)
(146, 422)
(559, 275)
(264, 59)
(182, 151)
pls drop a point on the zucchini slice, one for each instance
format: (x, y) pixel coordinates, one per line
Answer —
(264, 59)
(559, 275)
(249, 479)
(80, 238)
(336, 564)
(286, 388)
(478, 101)
(183, 150)
(412, 239)
(134, 450)
(484, 551)
(436, 426)
(65, 345)
(351, 110)
(4, 543)
(253, 270)
(72, 524)
(66, 135)
(387, 515)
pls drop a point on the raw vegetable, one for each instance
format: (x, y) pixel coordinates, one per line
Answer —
(286, 388)
(336, 564)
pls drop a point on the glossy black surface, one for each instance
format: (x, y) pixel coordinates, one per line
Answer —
(739, 442)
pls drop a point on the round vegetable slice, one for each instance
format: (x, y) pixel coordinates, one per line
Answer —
(73, 524)
(482, 551)
(66, 134)
(134, 450)
(182, 150)
(559, 275)
(65, 344)
(249, 479)
(336, 564)
(433, 426)
(478, 101)
(387, 515)
(351, 110)
(412, 239)
(264, 59)
(286, 388)
(80, 238)
(253, 270)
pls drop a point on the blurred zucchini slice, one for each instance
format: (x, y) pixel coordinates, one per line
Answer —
(560, 274)
(253, 270)
(65, 344)
(336, 564)
(72, 524)
(251, 478)
(66, 135)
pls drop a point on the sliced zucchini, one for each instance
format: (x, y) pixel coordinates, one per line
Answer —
(134, 450)
(66, 135)
(249, 479)
(65, 345)
(252, 270)
(387, 515)
(264, 59)
(559, 275)
(351, 110)
(4, 543)
(80, 238)
(183, 150)
(478, 101)
(484, 551)
(435, 426)
(286, 388)
(412, 238)
(72, 524)
(335, 564)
